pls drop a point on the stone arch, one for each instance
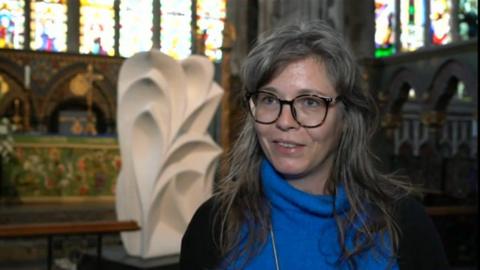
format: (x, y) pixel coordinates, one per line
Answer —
(59, 92)
(13, 70)
(447, 113)
(17, 97)
(401, 82)
(446, 77)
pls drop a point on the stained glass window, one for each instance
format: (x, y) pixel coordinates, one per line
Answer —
(440, 17)
(97, 27)
(412, 23)
(384, 28)
(136, 18)
(468, 19)
(12, 21)
(49, 25)
(210, 23)
(176, 28)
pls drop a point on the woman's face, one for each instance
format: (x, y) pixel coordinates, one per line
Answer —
(304, 156)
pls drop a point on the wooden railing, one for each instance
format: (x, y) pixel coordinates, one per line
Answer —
(437, 211)
(50, 230)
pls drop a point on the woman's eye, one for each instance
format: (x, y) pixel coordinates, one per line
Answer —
(311, 102)
(267, 100)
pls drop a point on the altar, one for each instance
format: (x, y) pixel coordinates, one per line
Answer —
(61, 168)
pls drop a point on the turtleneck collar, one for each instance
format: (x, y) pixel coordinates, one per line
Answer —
(306, 234)
(283, 195)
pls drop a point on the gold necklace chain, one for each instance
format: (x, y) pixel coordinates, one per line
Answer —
(275, 256)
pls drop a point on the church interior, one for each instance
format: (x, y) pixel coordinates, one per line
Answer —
(59, 72)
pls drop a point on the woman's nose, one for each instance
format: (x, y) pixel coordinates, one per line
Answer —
(286, 120)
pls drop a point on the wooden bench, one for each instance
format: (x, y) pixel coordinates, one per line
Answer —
(50, 230)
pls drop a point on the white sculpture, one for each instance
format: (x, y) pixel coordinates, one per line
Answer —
(168, 158)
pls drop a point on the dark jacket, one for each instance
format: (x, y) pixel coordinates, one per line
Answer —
(420, 245)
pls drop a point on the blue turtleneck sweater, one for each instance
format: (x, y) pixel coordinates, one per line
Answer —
(305, 231)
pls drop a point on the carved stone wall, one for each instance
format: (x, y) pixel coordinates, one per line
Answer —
(429, 116)
(40, 82)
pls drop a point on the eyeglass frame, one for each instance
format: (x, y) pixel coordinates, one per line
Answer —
(330, 101)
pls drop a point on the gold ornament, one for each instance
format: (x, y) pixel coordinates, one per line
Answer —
(4, 87)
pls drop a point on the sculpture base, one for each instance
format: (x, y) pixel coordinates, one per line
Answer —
(116, 258)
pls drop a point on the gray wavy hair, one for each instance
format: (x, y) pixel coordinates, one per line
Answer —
(239, 197)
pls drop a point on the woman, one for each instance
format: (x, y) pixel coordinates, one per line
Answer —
(302, 190)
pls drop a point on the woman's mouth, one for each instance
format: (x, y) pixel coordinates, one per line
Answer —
(288, 147)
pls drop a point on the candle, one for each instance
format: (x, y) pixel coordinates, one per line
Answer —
(27, 77)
